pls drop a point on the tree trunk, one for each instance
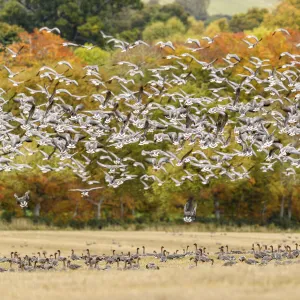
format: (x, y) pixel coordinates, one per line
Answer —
(217, 208)
(122, 207)
(98, 206)
(282, 207)
(263, 213)
(290, 202)
(37, 209)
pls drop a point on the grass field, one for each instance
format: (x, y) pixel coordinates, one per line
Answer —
(173, 281)
(231, 7)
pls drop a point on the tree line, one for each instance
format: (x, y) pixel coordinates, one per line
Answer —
(262, 199)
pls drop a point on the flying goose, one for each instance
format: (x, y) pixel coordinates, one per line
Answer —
(190, 210)
(55, 29)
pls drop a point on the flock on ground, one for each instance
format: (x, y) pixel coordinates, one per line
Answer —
(258, 255)
(253, 114)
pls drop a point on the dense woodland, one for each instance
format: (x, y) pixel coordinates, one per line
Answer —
(267, 197)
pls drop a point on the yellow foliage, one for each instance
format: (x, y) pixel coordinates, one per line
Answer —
(220, 25)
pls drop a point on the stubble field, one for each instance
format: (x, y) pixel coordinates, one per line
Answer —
(174, 280)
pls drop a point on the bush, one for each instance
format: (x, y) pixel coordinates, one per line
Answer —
(77, 224)
(95, 56)
(9, 33)
(161, 30)
(140, 226)
(7, 216)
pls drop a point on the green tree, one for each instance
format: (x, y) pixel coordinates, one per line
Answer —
(160, 30)
(77, 20)
(252, 19)
(9, 33)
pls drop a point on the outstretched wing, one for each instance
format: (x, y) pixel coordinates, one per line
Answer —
(190, 209)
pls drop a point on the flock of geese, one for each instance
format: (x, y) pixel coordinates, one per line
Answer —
(258, 255)
(251, 110)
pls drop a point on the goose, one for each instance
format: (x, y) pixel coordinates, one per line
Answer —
(281, 30)
(74, 256)
(47, 265)
(135, 256)
(72, 266)
(85, 192)
(11, 74)
(107, 267)
(118, 265)
(210, 40)
(29, 267)
(126, 267)
(13, 53)
(137, 265)
(40, 259)
(105, 36)
(195, 265)
(229, 263)
(168, 44)
(163, 257)
(54, 261)
(248, 261)
(152, 266)
(158, 255)
(64, 267)
(146, 254)
(195, 41)
(23, 200)
(190, 210)
(60, 258)
(251, 45)
(290, 254)
(55, 29)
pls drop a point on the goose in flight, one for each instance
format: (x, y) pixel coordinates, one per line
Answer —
(85, 192)
(190, 210)
(166, 44)
(50, 29)
(250, 44)
(13, 53)
(23, 200)
(281, 30)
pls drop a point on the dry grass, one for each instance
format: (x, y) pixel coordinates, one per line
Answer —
(26, 224)
(173, 281)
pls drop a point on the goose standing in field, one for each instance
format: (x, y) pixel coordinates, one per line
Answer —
(164, 258)
(137, 266)
(74, 256)
(152, 266)
(195, 265)
(229, 263)
(248, 261)
(190, 210)
(72, 266)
